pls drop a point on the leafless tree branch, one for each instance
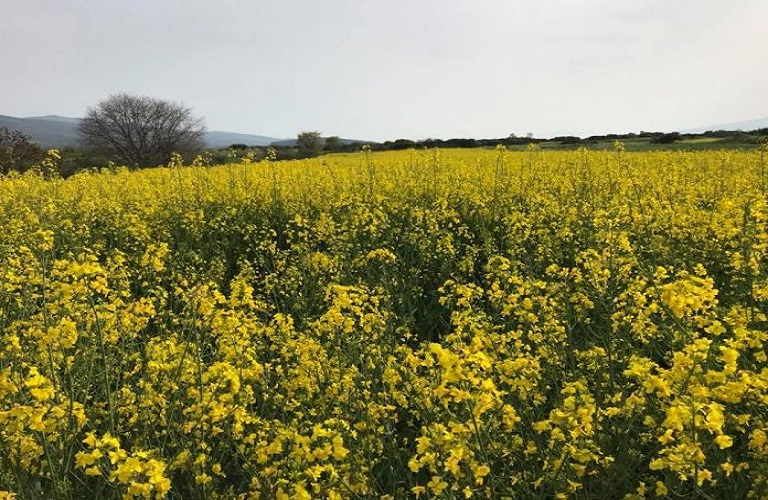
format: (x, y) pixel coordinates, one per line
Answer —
(140, 131)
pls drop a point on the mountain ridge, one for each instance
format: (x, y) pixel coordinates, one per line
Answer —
(54, 131)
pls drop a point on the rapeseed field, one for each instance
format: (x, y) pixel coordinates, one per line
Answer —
(416, 324)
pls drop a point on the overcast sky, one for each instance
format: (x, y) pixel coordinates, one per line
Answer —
(380, 70)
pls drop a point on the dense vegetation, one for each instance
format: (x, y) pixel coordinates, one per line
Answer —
(444, 323)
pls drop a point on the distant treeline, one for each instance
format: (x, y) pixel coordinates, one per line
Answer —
(19, 153)
(652, 137)
(645, 140)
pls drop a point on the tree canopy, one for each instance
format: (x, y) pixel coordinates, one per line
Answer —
(309, 143)
(17, 151)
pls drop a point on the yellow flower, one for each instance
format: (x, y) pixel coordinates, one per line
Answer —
(203, 478)
(703, 475)
(480, 472)
(437, 485)
(92, 471)
(300, 493)
(339, 452)
(724, 441)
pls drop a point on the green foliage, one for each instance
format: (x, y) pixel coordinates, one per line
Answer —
(332, 143)
(309, 144)
(667, 138)
(17, 151)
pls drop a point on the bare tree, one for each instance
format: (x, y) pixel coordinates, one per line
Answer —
(17, 151)
(140, 131)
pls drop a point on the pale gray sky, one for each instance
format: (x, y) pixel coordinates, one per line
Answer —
(382, 70)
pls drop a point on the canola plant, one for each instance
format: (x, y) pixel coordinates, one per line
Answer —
(433, 324)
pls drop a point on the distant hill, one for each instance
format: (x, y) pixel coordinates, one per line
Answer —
(48, 131)
(55, 118)
(219, 139)
(746, 126)
(54, 131)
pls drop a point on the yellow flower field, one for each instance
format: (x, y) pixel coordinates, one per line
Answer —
(433, 324)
